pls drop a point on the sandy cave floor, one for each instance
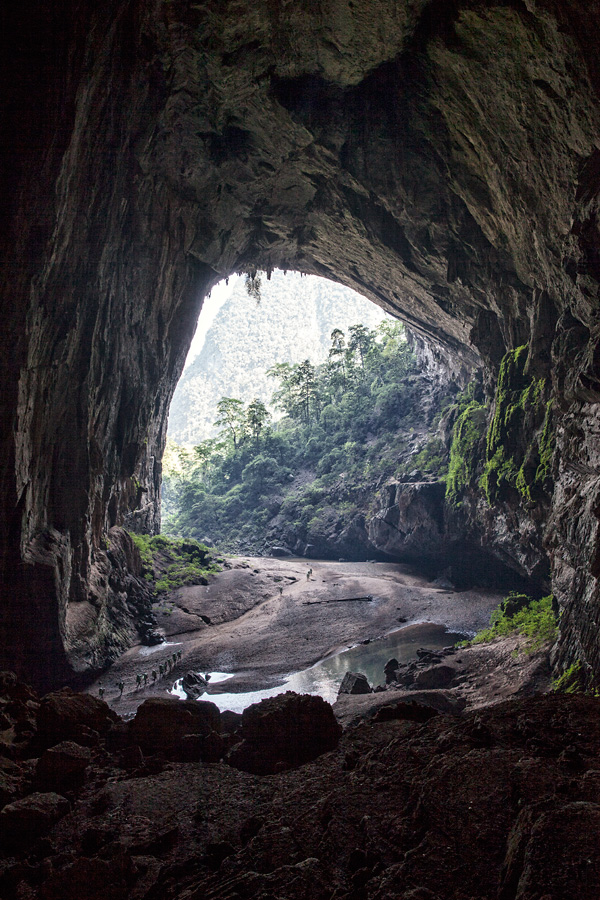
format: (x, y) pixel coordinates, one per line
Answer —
(263, 619)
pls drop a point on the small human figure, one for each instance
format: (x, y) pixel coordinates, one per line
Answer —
(145, 677)
(280, 591)
(174, 658)
(161, 669)
(101, 692)
(179, 654)
(153, 674)
(121, 687)
(138, 681)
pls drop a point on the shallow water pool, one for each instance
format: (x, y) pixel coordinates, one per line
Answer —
(325, 677)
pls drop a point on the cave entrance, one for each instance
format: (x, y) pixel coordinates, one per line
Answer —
(290, 403)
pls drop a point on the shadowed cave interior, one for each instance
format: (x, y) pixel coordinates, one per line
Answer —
(443, 159)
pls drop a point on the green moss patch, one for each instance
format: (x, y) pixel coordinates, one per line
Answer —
(520, 439)
(173, 563)
(465, 451)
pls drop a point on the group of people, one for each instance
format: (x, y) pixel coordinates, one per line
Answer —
(141, 679)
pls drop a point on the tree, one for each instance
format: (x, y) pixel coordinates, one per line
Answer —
(337, 358)
(361, 339)
(257, 415)
(285, 398)
(306, 383)
(232, 419)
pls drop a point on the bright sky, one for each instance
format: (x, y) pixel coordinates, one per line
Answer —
(211, 306)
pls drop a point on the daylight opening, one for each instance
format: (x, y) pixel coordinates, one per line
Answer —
(295, 399)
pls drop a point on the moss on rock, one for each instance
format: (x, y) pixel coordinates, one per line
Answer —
(467, 435)
(520, 442)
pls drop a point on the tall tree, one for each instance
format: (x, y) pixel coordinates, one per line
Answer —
(361, 340)
(257, 415)
(306, 382)
(231, 419)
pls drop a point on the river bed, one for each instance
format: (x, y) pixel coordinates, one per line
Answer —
(325, 677)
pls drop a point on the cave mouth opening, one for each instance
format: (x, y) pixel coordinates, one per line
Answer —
(285, 392)
(304, 419)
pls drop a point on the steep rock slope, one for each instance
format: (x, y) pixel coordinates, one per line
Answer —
(441, 158)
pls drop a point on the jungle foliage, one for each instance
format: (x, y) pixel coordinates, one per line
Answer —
(519, 614)
(343, 425)
(169, 564)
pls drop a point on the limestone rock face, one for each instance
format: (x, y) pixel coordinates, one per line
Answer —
(442, 159)
(410, 523)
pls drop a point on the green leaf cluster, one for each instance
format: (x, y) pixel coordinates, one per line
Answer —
(536, 621)
(575, 680)
(465, 454)
(173, 563)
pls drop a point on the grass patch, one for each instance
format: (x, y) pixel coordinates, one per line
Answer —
(518, 614)
(173, 563)
(574, 681)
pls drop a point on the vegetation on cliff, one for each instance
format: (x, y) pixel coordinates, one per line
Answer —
(510, 455)
(535, 619)
(519, 440)
(308, 478)
(169, 564)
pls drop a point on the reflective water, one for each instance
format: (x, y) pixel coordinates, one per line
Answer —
(325, 677)
(148, 651)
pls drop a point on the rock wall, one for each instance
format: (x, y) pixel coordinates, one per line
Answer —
(442, 159)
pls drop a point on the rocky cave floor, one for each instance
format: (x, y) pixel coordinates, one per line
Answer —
(472, 783)
(264, 618)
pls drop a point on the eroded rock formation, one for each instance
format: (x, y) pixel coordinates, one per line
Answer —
(441, 158)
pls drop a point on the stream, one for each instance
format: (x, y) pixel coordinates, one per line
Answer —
(325, 677)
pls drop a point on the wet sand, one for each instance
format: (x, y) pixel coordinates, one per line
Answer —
(263, 619)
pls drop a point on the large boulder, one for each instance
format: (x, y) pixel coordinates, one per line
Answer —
(194, 685)
(62, 766)
(161, 725)
(355, 683)
(65, 715)
(23, 821)
(439, 676)
(283, 732)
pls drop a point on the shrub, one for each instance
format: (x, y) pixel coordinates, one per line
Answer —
(536, 621)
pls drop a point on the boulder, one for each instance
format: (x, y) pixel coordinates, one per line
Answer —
(63, 714)
(439, 676)
(160, 723)
(194, 685)
(355, 683)
(62, 766)
(283, 732)
(26, 820)
(390, 669)
(230, 721)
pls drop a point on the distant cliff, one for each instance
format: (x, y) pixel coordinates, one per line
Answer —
(293, 321)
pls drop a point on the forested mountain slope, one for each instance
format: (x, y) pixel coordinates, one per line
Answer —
(292, 321)
(310, 482)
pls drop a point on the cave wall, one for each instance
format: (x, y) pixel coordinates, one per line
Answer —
(441, 158)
